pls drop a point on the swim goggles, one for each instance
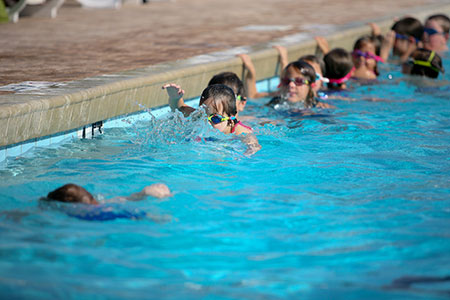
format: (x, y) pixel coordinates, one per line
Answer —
(241, 98)
(368, 55)
(427, 63)
(405, 37)
(343, 79)
(297, 80)
(431, 31)
(320, 77)
(216, 118)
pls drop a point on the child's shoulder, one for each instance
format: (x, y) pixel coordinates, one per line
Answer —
(240, 128)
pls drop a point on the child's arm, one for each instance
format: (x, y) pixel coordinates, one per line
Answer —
(387, 45)
(250, 78)
(411, 47)
(252, 143)
(375, 29)
(157, 190)
(322, 45)
(283, 54)
(176, 100)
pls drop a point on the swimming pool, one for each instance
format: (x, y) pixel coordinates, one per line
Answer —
(351, 203)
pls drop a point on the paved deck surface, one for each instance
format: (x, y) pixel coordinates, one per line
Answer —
(80, 43)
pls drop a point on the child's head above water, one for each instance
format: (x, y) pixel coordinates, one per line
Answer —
(231, 80)
(71, 193)
(436, 33)
(443, 21)
(219, 102)
(319, 68)
(364, 57)
(424, 62)
(296, 83)
(338, 68)
(407, 30)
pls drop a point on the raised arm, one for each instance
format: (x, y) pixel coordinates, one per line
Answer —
(322, 44)
(283, 56)
(176, 100)
(387, 45)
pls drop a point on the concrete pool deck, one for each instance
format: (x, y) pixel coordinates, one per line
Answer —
(107, 63)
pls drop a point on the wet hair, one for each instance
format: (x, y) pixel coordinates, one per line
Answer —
(338, 63)
(71, 193)
(221, 96)
(409, 26)
(308, 72)
(442, 20)
(315, 59)
(424, 55)
(361, 42)
(229, 79)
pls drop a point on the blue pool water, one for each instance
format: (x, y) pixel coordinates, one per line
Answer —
(351, 203)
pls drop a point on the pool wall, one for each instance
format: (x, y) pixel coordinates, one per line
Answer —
(47, 116)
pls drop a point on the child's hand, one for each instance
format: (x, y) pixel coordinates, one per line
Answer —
(282, 51)
(158, 190)
(248, 64)
(175, 94)
(322, 44)
(375, 29)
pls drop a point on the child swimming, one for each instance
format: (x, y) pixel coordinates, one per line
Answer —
(84, 206)
(219, 103)
(229, 79)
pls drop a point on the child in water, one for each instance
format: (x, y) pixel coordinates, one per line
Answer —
(436, 33)
(93, 210)
(364, 59)
(229, 79)
(339, 68)
(424, 62)
(301, 74)
(219, 102)
(408, 32)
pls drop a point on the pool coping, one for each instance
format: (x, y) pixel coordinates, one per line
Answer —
(46, 117)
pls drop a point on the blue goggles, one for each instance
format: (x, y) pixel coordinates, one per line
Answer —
(404, 37)
(431, 31)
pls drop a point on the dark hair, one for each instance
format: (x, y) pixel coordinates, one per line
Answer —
(442, 20)
(220, 95)
(315, 59)
(71, 193)
(361, 42)
(423, 55)
(338, 63)
(409, 26)
(229, 79)
(308, 72)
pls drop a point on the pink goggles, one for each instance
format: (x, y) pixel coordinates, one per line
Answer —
(368, 55)
(343, 79)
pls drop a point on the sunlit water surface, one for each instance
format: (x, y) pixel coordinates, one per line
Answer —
(348, 203)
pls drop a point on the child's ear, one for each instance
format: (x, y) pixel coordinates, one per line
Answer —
(446, 36)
